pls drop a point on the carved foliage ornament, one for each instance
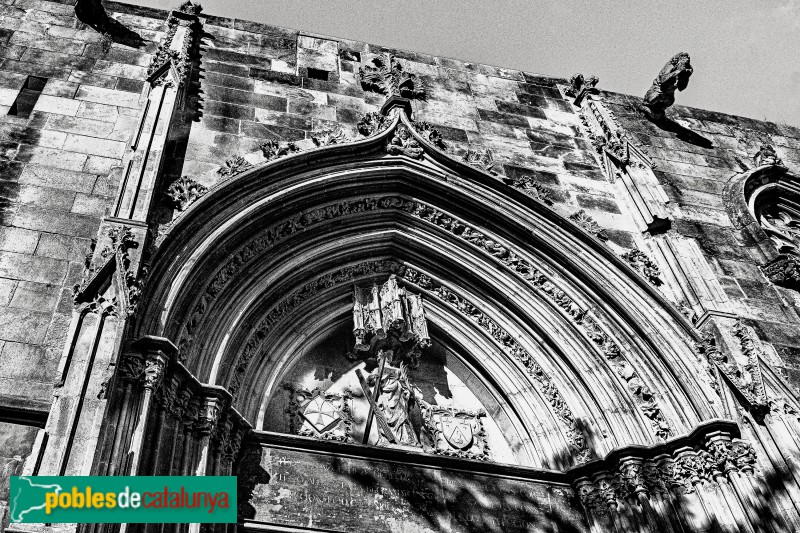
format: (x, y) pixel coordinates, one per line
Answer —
(644, 266)
(233, 166)
(185, 191)
(682, 471)
(373, 123)
(274, 149)
(746, 378)
(387, 76)
(577, 84)
(178, 54)
(589, 224)
(482, 161)
(335, 135)
(784, 270)
(532, 188)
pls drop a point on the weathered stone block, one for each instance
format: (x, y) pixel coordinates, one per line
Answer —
(57, 104)
(44, 176)
(29, 217)
(23, 325)
(46, 197)
(35, 296)
(82, 126)
(94, 146)
(100, 95)
(64, 247)
(38, 155)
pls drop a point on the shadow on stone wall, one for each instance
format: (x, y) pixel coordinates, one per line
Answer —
(477, 502)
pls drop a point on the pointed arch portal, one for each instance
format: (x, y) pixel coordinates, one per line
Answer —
(570, 353)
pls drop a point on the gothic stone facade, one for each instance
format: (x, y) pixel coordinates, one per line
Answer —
(574, 309)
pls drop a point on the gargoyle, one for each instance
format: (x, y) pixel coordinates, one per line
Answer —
(674, 76)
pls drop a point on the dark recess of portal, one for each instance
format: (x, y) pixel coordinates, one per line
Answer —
(27, 97)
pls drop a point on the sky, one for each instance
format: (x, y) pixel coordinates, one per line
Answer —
(745, 53)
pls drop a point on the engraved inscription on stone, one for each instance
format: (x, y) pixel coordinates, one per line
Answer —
(330, 492)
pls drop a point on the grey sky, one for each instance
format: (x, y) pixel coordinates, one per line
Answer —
(745, 53)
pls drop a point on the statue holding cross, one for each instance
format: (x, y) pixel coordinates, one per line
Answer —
(392, 403)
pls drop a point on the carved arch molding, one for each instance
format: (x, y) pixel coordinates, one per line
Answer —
(598, 344)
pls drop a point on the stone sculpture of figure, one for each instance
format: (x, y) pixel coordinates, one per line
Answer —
(394, 401)
(674, 76)
(766, 155)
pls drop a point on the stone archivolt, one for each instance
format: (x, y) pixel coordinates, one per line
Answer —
(644, 395)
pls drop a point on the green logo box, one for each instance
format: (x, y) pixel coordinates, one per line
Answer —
(123, 499)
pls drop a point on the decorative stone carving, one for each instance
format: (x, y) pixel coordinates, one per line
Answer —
(122, 240)
(176, 48)
(153, 371)
(386, 76)
(318, 414)
(482, 161)
(391, 320)
(579, 87)
(134, 285)
(190, 8)
(329, 137)
(766, 155)
(745, 378)
(373, 123)
(403, 143)
(273, 149)
(589, 224)
(185, 191)
(391, 397)
(131, 366)
(644, 266)
(430, 134)
(673, 77)
(535, 190)
(683, 467)
(103, 306)
(233, 166)
(456, 433)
